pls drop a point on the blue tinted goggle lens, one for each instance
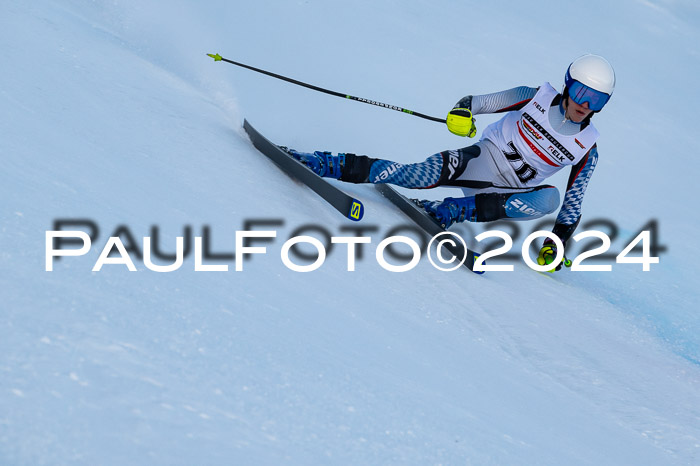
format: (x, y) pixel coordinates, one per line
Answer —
(581, 93)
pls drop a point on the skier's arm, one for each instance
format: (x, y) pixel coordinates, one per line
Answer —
(498, 102)
(570, 212)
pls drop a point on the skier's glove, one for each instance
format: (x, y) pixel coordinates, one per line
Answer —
(461, 122)
(547, 255)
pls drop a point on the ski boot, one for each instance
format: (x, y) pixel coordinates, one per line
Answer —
(322, 163)
(450, 210)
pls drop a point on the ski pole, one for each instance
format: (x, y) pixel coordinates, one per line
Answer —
(218, 57)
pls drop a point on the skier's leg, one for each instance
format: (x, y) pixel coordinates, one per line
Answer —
(517, 205)
(526, 204)
(436, 170)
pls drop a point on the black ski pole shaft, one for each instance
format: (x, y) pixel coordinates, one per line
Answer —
(218, 57)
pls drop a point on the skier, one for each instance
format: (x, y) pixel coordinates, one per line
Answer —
(542, 132)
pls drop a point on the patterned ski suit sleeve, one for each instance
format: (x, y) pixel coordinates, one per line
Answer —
(570, 213)
(498, 102)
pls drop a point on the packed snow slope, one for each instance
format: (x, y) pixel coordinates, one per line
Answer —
(113, 113)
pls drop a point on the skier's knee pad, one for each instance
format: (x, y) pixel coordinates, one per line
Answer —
(356, 168)
(529, 205)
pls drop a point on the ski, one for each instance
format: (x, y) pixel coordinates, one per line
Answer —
(347, 205)
(427, 223)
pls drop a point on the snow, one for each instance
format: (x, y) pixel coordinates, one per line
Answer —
(113, 113)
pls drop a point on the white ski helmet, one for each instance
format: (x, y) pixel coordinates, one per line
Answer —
(591, 79)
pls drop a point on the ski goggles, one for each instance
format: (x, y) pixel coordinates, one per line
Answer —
(580, 93)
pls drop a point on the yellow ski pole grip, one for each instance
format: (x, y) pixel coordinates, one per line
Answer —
(460, 121)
